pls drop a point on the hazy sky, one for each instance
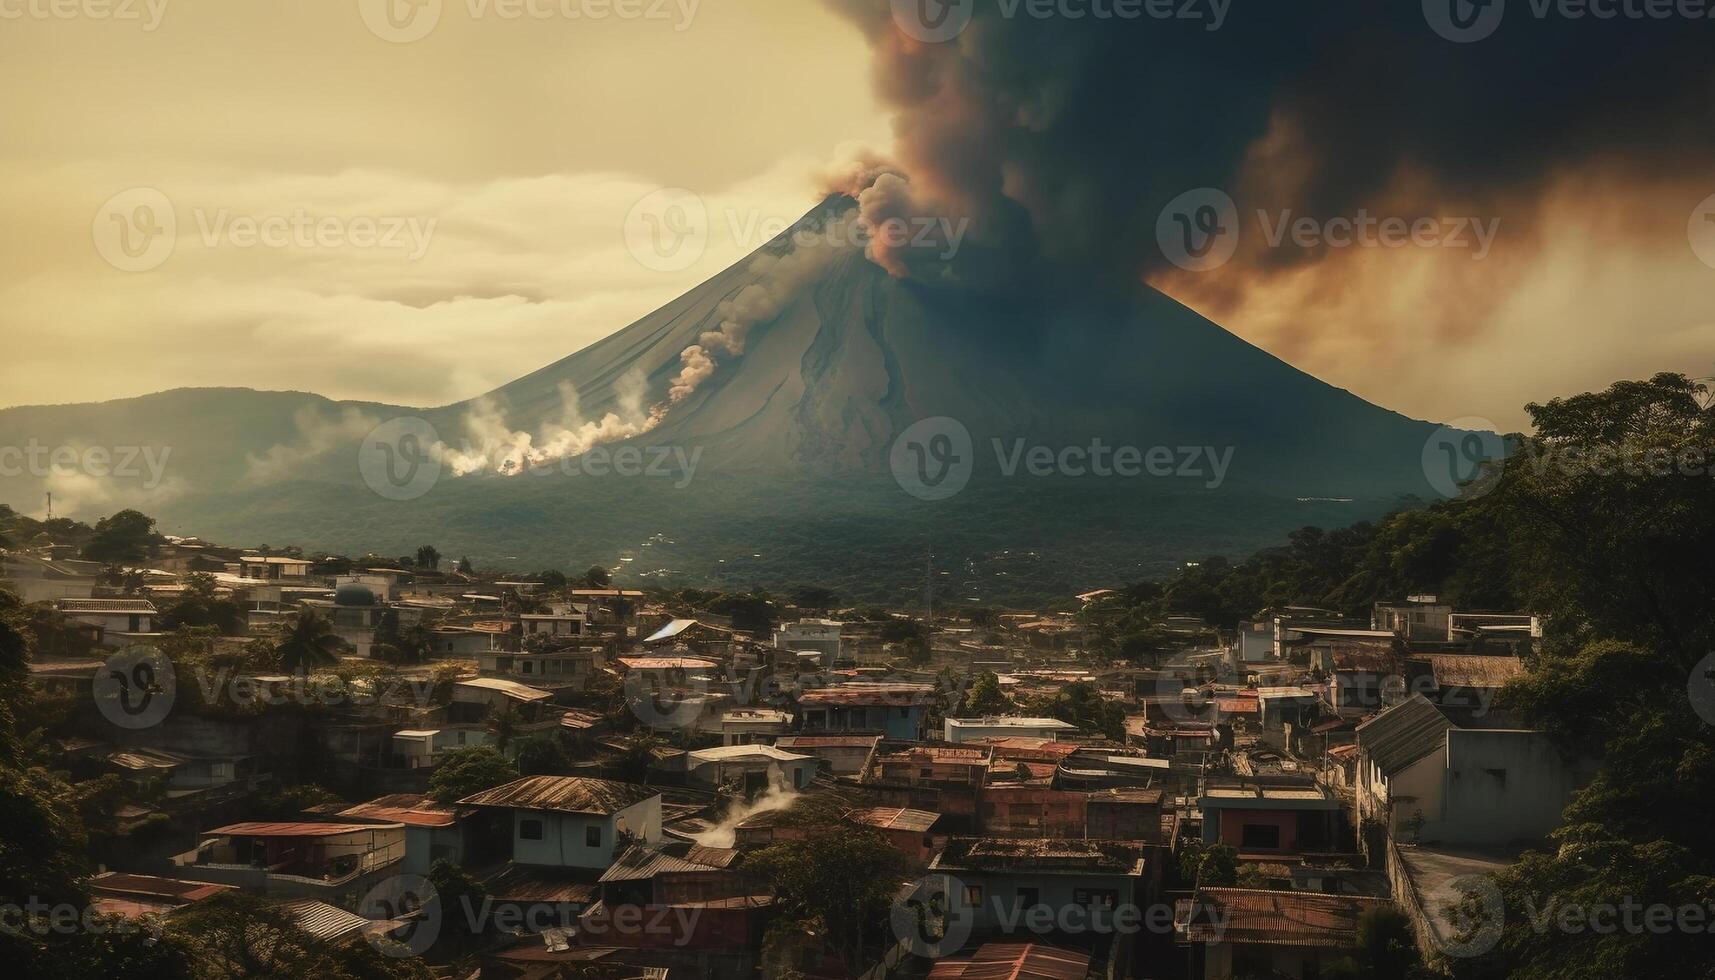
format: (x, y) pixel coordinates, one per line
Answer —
(449, 209)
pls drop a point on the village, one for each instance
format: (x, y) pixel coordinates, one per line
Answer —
(542, 776)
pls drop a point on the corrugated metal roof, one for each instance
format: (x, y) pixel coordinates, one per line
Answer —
(893, 818)
(667, 663)
(1276, 918)
(640, 862)
(99, 606)
(300, 829)
(326, 922)
(1015, 961)
(406, 808)
(512, 689)
(563, 794)
(556, 886)
(1403, 734)
(1466, 670)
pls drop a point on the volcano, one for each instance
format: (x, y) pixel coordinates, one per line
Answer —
(796, 476)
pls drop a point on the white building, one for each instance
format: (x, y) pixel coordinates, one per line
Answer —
(811, 636)
(571, 822)
(754, 764)
(120, 620)
(960, 730)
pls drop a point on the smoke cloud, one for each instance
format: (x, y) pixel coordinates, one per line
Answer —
(493, 445)
(1064, 138)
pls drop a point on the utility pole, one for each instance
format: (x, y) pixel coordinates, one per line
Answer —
(50, 505)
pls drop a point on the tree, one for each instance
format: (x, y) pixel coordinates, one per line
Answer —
(459, 895)
(1218, 867)
(912, 634)
(310, 643)
(815, 597)
(985, 698)
(467, 772)
(597, 577)
(465, 567)
(428, 557)
(846, 880)
(239, 936)
(751, 612)
(128, 536)
(542, 757)
(202, 605)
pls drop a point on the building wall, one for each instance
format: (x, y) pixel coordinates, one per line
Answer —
(564, 835)
(1123, 821)
(956, 732)
(1502, 786)
(1228, 827)
(1001, 896)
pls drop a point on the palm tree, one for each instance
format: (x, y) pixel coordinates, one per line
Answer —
(311, 643)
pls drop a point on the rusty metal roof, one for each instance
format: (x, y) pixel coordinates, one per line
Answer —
(300, 829)
(870, 694)
(406, 808)
(893, 818)
(1015, 961)
(1043, 856)
(1277, 918)
(563, 794)
(1468, 670)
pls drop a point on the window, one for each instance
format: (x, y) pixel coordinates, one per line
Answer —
(530, 829)
(1264, 836)
(527, 666)
(973, 896)
(1099, 898)
(1029, 898)
(926, 773)
(592, 836)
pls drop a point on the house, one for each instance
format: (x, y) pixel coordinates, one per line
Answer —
(1242, 932)
(433, 831)
(696, 637)
(35, 579)
(570, 821)
(820, 636)
(1032, 810)
(1418, 618)
(897, 710)
(911, 832)
(1254, 643)
(553, 626)
(1014, 961)
(843, 755)
(743, 726)
(120, 621)
(132, 896)
(1132, 813)
(424, 748)
(496, 693)
(753, 767)
(329, 861)
(1472, 681)
(960, 730)
(273, 568)
(556, 669)
(1001, 881)
(1282, 706)
(462, 642)
(1276, 816)
(1425, 778)
(682, 897)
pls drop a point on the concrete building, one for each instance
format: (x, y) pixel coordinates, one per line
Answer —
(961, 730)
(820, 636)
(752, 766)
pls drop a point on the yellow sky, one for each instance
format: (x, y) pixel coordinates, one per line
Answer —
(478, 178)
